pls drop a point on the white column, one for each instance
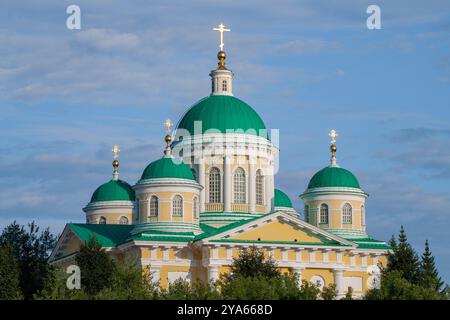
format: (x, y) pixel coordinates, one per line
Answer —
(252, 185)
(339, 282)
(213, 273)
(268, 186)
(156, 274)
(227, 189)
(299, 270)
(202, 181)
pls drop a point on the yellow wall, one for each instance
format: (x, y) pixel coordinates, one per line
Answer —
(277, 231)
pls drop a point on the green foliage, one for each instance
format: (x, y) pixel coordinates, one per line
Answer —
(129, 282)
(329, 292)
(56, 288)
(252, 262)
(403, 258)
(405, 278)
(9, 275)
(348, 294)
(31, 249)
(429, 276)
(395, 287)
(96, 267)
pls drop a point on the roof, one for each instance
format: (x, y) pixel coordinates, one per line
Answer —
(369, 243)
(112, 235)
(108, 235)
(333, 176)
(167, 167)
(221, 112)
(114, 190)
(282, 199)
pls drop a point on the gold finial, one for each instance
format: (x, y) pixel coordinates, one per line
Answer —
(168, 138)
(333, 134)
(221, 55)
(115, 163)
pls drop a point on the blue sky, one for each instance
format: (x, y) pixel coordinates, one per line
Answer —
(67, 96)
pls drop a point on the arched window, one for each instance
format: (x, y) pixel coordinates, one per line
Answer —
(224, 85)
(323, 213)
(154, 206)
(177, 206)
(363, 217)
(102, 220)
(306, 213)
(123, 220)
(259, 188)
(347, 214)
(195, 207)
(214, 185)
(239, 185)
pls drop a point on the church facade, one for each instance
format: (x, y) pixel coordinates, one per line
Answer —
(213, 193)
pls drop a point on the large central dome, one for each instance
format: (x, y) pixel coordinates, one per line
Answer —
(222, 113)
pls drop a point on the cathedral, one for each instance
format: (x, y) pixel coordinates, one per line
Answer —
(213, 193)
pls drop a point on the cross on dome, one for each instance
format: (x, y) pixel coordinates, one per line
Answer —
(116, 151)
(333, 134)
(168, 125)
(115, 163)
(221, 29)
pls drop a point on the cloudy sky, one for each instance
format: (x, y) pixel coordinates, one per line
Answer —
(67, 96)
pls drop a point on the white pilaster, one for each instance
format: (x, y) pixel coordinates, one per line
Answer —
(268, 189)
(252, 185)
(156, 274)
(227, 188)
(213, 273)
(202, 181)
(298, 271)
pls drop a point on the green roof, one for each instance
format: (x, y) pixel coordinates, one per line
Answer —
(333, 176)
(167, 167)
(369, 243)
(108, 235)
(282, 199)
(114, 190)
(222, 112)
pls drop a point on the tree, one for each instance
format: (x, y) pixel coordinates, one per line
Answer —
(9, 275)
(394, 286)
(329, 292)
(252, 262)
(96, 267)
(403, 258)
(129, 282)
(31, 249)
(429, 276)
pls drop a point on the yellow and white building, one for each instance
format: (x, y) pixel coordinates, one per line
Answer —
(213, 193)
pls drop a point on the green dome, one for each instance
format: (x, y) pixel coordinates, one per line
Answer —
(114, 190)
(222, 112)
(282, 199)
(167, 168)
(333, 176)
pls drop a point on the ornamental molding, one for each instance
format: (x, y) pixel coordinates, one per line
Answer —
(115, 204)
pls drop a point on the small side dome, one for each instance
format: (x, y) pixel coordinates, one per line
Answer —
(282, 199)
(167, 167)
(114, 190)
(333, 176)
